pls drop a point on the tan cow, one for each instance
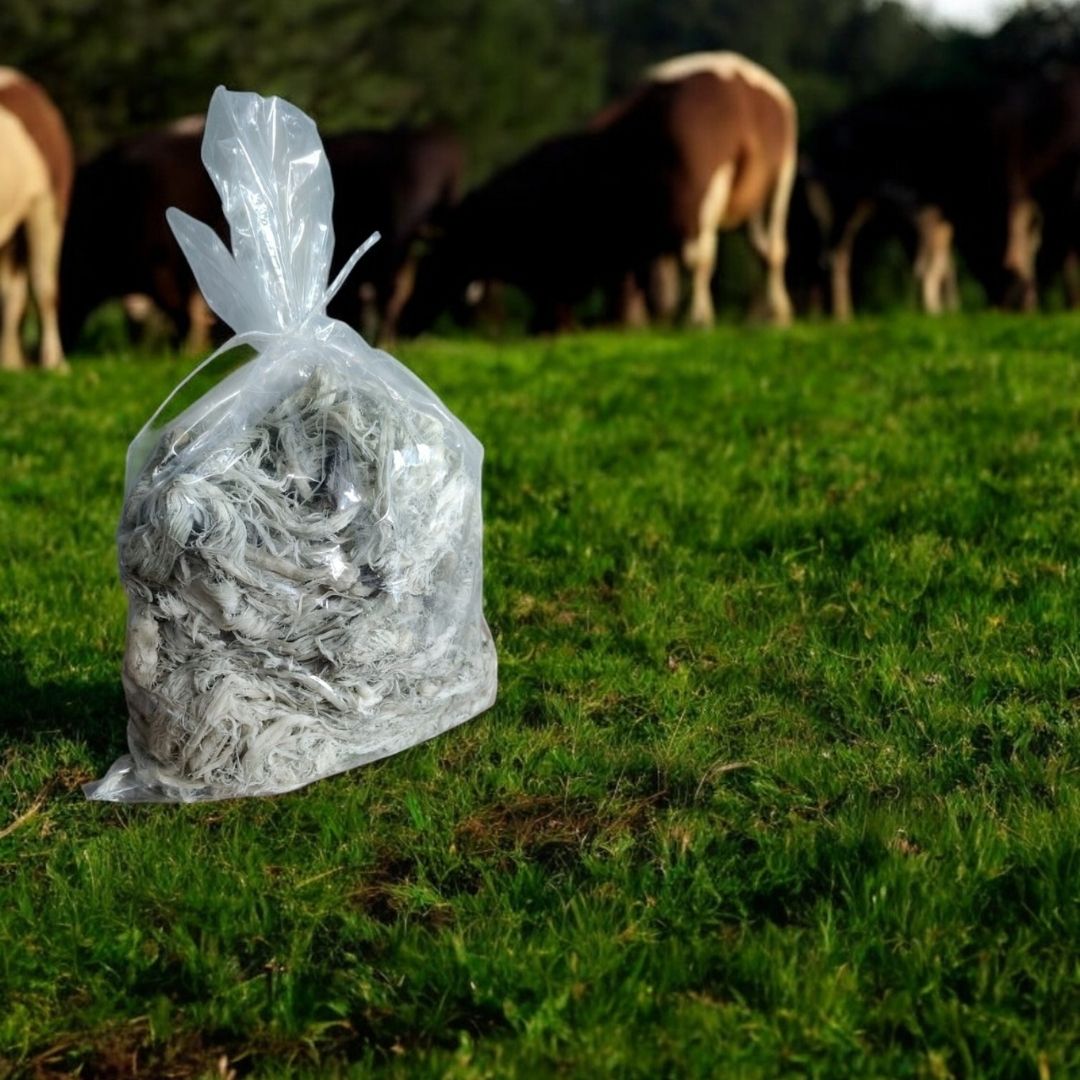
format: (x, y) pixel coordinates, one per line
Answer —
(36, 171)
(737, 125)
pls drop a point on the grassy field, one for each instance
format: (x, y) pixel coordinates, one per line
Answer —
(782, 779)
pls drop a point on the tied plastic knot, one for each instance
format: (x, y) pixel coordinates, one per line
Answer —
(298, 328)
(259, 339)
(320, 305)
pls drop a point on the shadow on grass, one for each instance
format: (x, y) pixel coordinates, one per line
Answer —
(83, 711)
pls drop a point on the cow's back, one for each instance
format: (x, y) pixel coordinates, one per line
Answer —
(391, 181)
(433, 169)
(118, 210)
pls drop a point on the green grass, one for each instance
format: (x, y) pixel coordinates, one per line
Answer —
(782, 779)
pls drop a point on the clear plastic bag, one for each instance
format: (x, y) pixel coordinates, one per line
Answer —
(302, 547)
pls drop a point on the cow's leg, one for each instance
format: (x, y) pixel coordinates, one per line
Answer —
(633, 310)
(758, 233)
(699, 253)
(840, 261)
(13, 291)
(43, 235)
(951, 294)
(934, 258)
(368, 306)
(778, 302)
(200, 320)
(664, 287)
(821, 217)
(404, 283)
(1025, 237)
(840, 272)
(1071, 273)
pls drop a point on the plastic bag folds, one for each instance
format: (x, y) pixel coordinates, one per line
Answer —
(302, 547)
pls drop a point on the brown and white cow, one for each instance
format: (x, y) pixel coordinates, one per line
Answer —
(708, 142)
(36, 170)
(741, 138)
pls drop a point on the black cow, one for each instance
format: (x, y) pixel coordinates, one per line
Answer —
(1037, 132)
(909, 157)
(119, 244)
(986, 167)
(555, 223)
(401, 183)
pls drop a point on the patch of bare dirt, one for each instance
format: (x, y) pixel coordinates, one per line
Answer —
(128, 1053)
(548, 828)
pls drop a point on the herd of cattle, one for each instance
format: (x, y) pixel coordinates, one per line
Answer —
(707, 142)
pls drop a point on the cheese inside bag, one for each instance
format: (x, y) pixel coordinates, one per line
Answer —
(302, 547)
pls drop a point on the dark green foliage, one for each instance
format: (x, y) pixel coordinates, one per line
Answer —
(1046, 33)
(782, 779)
(503, 72)
(827, 51)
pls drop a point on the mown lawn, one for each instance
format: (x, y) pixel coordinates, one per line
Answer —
(782, 779)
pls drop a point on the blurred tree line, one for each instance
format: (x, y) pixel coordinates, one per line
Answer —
(502, 72)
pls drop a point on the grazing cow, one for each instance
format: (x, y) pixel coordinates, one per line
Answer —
(1036, 127)
(751, 146)
(120, 246)
(36, 167)
(978, 168)
(707, 142)
(906, 156)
